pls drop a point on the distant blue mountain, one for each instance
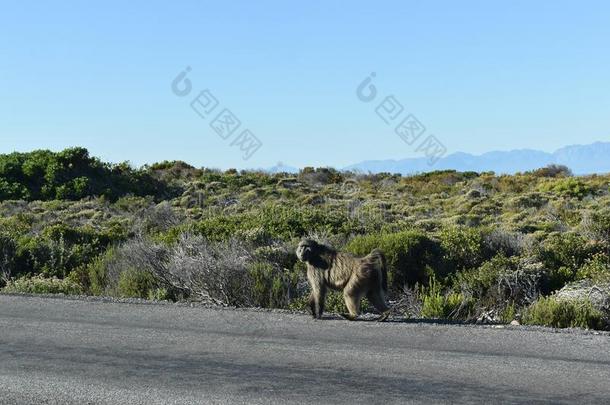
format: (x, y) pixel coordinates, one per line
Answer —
(582, 159)
(282, 168)
(585, 159)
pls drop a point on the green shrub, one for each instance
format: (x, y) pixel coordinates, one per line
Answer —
(596, 269)
(508, 314)
(569, 187)
(42, 285)
(528, 200)
(563, 254)
(557, 278)
(217, 228)
(273, 222)
(462, 247)
(72, 174)
(566, 249)
(556, 313)
(136, 284)
(411, 256)
(161, 294)
(272, 288)
(94, 276)
(59, 249)
(281, 255)
(439, 305)
(12, 191)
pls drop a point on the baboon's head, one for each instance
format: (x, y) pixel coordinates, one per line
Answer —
(307, 250)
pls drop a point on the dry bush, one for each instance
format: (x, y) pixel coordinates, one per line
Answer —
(410, 303)
(160, 217)
(553, 170)
(501, 282)
(596, 226)
(587, 290)
(214, 272)
(8, 250)
(506, 242)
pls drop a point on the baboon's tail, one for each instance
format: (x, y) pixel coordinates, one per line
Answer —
(380, 257)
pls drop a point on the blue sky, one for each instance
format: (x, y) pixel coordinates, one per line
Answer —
(480, 76)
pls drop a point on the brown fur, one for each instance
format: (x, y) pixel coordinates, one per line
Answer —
(357, 277)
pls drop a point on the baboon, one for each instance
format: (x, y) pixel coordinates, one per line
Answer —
(356, 276)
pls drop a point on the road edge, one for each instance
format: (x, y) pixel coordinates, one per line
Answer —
(402, 320)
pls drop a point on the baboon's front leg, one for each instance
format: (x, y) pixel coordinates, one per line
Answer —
(316, 302)
(312, 304)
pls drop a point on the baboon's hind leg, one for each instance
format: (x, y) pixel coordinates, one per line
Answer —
(377, 298)
(352, 294)
(348, 316)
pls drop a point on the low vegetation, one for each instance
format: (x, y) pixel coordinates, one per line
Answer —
(461, 246)
(556, 313)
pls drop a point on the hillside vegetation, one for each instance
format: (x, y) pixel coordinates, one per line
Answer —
(461, 246)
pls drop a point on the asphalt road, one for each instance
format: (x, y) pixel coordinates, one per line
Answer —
(58, 351)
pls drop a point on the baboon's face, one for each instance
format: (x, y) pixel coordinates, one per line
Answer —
(305, 250)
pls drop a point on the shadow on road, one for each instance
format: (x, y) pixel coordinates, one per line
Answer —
(369, 317)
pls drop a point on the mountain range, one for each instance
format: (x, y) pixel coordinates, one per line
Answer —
(581, 159)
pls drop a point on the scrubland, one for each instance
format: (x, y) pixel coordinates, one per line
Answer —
(532, 247)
